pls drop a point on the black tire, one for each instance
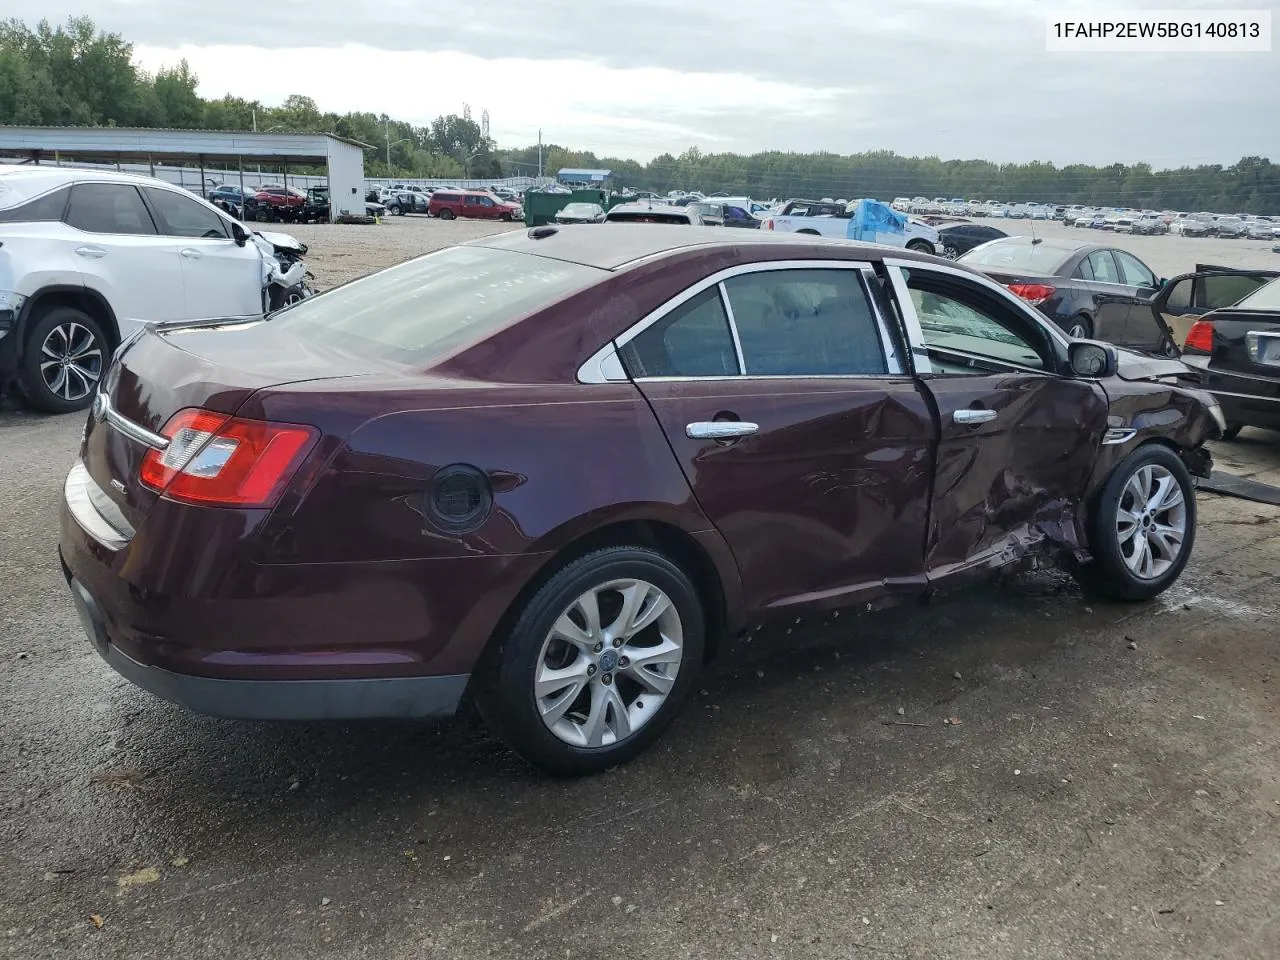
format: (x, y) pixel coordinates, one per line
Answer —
(1080, 323)
(285, 297)
(1108, 573)
(261, 215)
(446, 214)
(30, 376)
(504, 690)
(1233, 430)
(395, 210)
(506, 218)
(920, 246)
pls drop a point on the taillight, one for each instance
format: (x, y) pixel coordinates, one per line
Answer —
(216, 460)
(1034, 293)
(1200, 337)
(768, 224)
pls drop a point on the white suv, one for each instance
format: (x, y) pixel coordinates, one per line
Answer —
(87, 256)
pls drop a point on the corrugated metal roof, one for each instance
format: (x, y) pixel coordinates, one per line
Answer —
(157, 143)
(591, 174)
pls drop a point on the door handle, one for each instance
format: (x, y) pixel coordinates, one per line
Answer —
(91, 253)
(719, 429)
(191, 253)
(973, 416)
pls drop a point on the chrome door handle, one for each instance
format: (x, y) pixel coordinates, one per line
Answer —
(719, 429)
(973, 416)
(91, 253)
(191, 253)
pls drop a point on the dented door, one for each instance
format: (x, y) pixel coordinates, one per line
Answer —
(1014, 459)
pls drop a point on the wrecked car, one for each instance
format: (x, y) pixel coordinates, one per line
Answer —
(558, 500)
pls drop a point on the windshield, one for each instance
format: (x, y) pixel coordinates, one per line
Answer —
(420, 311)
(1264, 298)
(1017, 253)
(580, 210)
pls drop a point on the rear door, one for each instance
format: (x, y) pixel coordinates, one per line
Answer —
(1186, 298)
(781, 393)
(1018, 440)
(122, 256)
(221, 278)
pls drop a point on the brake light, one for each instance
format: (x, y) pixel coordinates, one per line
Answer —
(1200, 337)
(216, 460)
(1034, 293)
(768, 224)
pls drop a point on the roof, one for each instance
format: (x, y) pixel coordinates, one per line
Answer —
(582, 172)
(160, 143)
(610, 246)
(21, 183)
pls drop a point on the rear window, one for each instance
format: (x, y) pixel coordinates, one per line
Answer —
(652, 216)
(1264, 298)
(420, 311)
(1019, 255)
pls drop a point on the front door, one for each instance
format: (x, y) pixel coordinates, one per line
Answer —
(1018, 440)
(1140, 331)
(221, 278)
(781, 394)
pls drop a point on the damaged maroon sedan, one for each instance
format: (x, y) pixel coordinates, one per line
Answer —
(550, 470)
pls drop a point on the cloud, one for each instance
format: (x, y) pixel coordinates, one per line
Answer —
(956, 78)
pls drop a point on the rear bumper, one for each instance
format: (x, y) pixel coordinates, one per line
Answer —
(391, 697)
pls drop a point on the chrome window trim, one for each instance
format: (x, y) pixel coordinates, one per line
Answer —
(907, 308)
(733, 328)
(593, 370)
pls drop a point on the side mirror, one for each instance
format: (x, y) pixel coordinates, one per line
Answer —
(1091, 360)
(239, 234)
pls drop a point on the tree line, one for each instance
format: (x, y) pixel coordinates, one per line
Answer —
(74, 74)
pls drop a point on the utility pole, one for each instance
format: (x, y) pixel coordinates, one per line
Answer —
(539, 153)
(388, 132)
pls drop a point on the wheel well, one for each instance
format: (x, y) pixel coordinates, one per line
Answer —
(812, 233)
(669, 540)
(80, 299)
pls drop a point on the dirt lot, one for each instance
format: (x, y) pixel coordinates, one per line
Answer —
(1112, 788)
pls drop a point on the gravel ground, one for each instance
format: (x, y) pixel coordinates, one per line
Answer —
(1111, 788)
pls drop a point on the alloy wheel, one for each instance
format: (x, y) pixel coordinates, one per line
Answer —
(1151, 521)
(70, 361)
(608, 663)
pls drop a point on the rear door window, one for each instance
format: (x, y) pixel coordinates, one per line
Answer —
(1103, 266)
(108, 208)
(693, 340)
(805, 323)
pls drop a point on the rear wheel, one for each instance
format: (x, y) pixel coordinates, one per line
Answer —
(597, 662)
(63, 360)
(1142, 527)
(1080, 327)
(446, 214)
(920, 246)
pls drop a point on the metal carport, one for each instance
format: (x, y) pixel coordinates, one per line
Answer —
(342, 158)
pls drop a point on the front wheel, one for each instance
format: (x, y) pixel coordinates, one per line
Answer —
(1142, 527)
(597, 662)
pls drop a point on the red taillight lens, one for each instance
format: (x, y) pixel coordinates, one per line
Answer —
(768, 224)
(1034, 293)
(216, 460)
(1200, 337)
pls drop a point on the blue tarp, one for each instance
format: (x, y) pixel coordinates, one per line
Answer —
(872, 220)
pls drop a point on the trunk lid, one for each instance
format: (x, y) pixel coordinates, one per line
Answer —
(168, 368)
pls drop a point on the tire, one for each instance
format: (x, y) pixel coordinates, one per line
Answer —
(506, 218)
(394, 210)
(284, 298)
(262, 216)
(69, 333)
(446, 214)
(920, 246)
(572, 744)
(1079, 327)
(1233, 430)
(1118, 569)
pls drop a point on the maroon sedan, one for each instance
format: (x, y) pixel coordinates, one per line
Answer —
(552, 469)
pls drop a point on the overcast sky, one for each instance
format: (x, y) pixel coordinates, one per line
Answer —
(635, 78)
